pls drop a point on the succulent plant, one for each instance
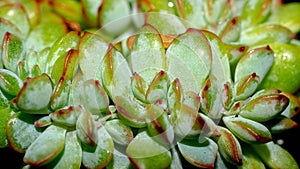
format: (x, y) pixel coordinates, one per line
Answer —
(148, 84)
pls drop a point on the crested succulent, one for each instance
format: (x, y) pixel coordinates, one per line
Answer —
(148, 84)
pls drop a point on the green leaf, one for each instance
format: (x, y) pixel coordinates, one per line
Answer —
(251, 160)
(230, 30)
(44, 35)
(7, 26)
(35, 94)
(90, 11)
(212, 100)
(13, 51)
(139, 87)
(86, 129)
(264, 108)
(189, 53)
(147, 57)
(67, 116)
(159, 125)
(257, 61)
(158, 88)
(199, 154)
(18, 128)
(60, 95)
(254, 12)
(10, 83)
(131, 112)
(175, 94)
(265, 34)
(275, 156)
(112, 16)
(65, 66)
(91, 59)
(229, 147)
(283, 16)
(119, 132)
(152, 156)
(100, 155)
(119, 161)
(61, 47)
(116, 74)
(192, 11)
(16, 14)
(46, 147)
(5, 115)
(93, 97)
(166, 23)
(246, 86)
(72, 153)
(247, 130)
(69, 10)
(186, 121)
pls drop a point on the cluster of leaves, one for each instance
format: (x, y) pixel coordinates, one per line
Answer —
(187, 90)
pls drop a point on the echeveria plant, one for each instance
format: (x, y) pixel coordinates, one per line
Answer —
(149, 84)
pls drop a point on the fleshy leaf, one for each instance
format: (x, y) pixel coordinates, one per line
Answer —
(17, 130)
(65, 66)
(176, 161)
(229, 147)
(159, 125)
(264, 108)
(131, 112)
(257, 61)
(255, 12)
(143, 156)
(44, 35)
(246, 86)
(147, 57)
(275, 156)
(119, 161)
(257, 36)
(17, 15)
(90, 11)
(116, 74)
(61, 47)
(175, 94)
(139, 87)
(158, 88)
(199, 154)
(93, 97)
(165, 23)
(231, 29)
(8, 26)
(283, 16)
(46, 147)
(60, 96)
(112, 16)
(72, 153)
(13, 51)
(212, 101)
(86, 129)
(100, 155)
(192, 11)
(5, 115)
(119, 132)
(186, 121)
(91, 59)
(189, 53)
(247, 130)
(67, 116)
(35, 94)
(250, 159)
(10, 83)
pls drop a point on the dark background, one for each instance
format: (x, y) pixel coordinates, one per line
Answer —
(291, 142)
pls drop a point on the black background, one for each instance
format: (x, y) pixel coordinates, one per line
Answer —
(291, 142)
